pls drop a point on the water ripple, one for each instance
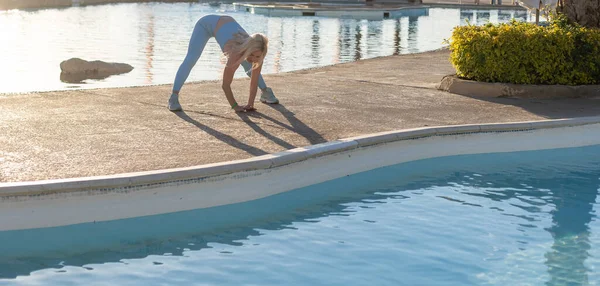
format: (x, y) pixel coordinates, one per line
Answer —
(537, 226)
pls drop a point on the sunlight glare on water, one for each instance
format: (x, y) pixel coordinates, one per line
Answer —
(153, 38)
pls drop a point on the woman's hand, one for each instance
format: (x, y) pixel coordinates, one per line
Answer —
(238, 108)
(249, 107)
(245, 108)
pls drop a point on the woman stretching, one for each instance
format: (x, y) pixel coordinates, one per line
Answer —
(238, 48)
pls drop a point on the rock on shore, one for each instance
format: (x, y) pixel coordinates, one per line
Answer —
(76, 70)
(79, 66)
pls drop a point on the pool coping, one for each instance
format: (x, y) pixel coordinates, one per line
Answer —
(135, 180)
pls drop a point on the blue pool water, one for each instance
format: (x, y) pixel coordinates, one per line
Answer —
(523, 218)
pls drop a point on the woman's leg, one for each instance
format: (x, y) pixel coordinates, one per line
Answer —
(197, 43)
(200, 37)
(266, 94)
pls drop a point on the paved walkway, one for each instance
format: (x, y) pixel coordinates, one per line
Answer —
(68, 134)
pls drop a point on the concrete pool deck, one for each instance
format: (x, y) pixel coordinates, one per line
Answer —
(78, 133)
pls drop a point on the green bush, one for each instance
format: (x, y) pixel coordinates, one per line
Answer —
(525, 53)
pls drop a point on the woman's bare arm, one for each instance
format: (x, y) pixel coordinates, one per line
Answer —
(228, 73)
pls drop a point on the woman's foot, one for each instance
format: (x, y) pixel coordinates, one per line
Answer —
(174, 103)
(267, 96)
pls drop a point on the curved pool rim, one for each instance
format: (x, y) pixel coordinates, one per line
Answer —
(51, 203)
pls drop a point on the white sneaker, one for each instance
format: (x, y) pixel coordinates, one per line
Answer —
(267, 96)
(174, 103)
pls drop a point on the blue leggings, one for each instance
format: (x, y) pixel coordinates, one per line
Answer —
(203, 31)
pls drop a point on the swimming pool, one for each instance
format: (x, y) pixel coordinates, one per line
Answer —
(153, 38)
(492, 207)
(525, 218)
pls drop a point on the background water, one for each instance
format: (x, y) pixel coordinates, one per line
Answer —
(525, 218)
(153, 38)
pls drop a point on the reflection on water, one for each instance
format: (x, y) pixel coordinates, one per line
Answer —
(570, 229)
(82, 77)
(525, 218)
(153, 38)
(149, 49)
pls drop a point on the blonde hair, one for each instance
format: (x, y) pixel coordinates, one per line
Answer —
(245, 45)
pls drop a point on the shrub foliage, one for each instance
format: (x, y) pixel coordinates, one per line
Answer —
(525, 53)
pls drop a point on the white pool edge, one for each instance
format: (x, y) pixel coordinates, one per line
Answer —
(46, 187)
(50, 203)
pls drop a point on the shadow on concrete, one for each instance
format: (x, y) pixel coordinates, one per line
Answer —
(552, 108)
(246, 117)
(297, 126)
(221, 136)
(555, 108)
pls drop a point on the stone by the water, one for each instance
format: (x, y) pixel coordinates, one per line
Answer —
(79, 66)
